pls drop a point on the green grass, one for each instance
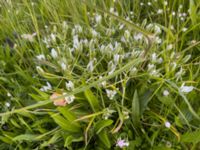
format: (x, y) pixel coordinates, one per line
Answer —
(123, 71)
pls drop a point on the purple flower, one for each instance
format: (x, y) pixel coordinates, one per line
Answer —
(122, 143)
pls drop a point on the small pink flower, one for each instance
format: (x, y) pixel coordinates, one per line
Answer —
(122, 143)
(58, 102)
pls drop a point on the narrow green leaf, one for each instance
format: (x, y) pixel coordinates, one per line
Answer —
(52, 140)
(25, 137)
(193, 13)
(103, 136)
(65, 124)
(5, 139)
(70, 139)
(70, 116)
(93, 101)
(102, 124)
(136, 109)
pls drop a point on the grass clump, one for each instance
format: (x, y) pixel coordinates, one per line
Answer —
(99, 74)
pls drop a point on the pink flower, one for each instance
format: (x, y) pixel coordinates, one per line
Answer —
(122, 143)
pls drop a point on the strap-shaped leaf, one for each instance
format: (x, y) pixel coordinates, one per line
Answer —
(103, 136)
(70, 116)
(102, 124)
(93, 101)
(136, 109)
(65, 124)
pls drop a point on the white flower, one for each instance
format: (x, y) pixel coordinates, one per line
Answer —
(184, 29)
(160, 11)
(54, 53)
(179, 73)
(158, 40)
(184, 14)
(90, 66)
(141, 4)
(182, 18)
(149, 3)
(102, 48)
(193, 41)
(75, 41)
(154, 57)
(123, 39)
(69, 99)
(108, 113)
(125, 114)
(69, 85)
(167, 124)
(110, 46)
(53, 37)
(7, 104)
(78, 28)
(111, 67)
(172, 27)
(138, 36)
(157, 29)
(103, 83)
(85, 41)
(127, 34)
(186, 89)
(98, 18)
(160, 60)
(180, 6)
(29, 37)
(8, 94)
(116, 58)
(121, 26)
(40, 57)
(46, 88)
(122, 143)
(151, 66)
(133, 71)
(94, 33)
(154, 73)
(173, 66)
(39, 69)
(111, 9)
(111, 93)
(165, 3)
(173, 13)
(169, 47)
(165, 92)
(63, 66)
(64, 25)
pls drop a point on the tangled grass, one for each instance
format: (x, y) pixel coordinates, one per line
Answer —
(84, 75)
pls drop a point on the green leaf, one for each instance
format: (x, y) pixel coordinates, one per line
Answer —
(71, 139)
(25, 137)
(101, 125)
(65, 124)
(6, 139)
(93, 101)
(193, 13)
(191, 137)
(103, 136)
(66, 113)
(136, 109)
(52, 140)
(70, 116)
